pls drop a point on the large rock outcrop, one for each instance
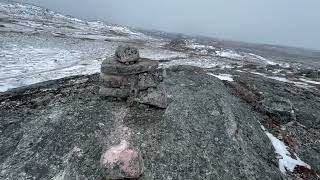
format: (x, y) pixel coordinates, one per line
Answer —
(59, 130)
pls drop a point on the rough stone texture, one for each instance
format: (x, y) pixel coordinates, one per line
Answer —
(303, 135)
(141, 81)
(122, 161)
(149, 80)
(126, 54)
(279, 107)
(113, 67)
(178, 43)
(115, 92)
(205, 133)
(153, 96)
(308, 144)
(310, 73)
(114, 81)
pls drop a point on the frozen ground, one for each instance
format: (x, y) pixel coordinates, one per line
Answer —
(39, 45)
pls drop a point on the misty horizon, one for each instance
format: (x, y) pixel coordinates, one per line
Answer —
(283, 23)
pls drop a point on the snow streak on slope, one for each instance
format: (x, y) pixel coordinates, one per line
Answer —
(286, 162)
(223, 77)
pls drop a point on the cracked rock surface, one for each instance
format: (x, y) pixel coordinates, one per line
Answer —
(205, 132)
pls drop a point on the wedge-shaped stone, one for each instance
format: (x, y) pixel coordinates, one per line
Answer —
(114, 92)
(113, 67)
(153, 96)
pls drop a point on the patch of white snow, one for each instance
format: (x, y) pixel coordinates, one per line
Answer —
(309, 81)
(286, 162)
(223, 77)
(263, 59)
(229, 54)
(202, 63)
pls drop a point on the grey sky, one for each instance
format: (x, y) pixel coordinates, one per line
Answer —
(285, 22)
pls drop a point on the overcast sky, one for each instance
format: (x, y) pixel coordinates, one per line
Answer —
(283, 22)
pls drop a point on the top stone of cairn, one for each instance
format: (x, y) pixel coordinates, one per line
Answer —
(127, 54)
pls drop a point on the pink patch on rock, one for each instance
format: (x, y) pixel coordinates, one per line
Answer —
(122, 161)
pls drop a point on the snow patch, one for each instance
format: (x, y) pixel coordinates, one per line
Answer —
(161, 54)
(202, 63)
(286, 162)
(229, 54)
(309, 81)
(199, 46)
(25, 65)
(283, 79)
(223, 77)
(263, 59)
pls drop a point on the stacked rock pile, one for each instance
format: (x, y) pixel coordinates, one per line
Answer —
(127, 75)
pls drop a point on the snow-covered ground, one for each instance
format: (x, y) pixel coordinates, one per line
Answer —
(37, 45)
(28, 60)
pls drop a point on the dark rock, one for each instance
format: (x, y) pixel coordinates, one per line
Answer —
(309, 73)
(280, 108)
(121, 162)
(153, 96)
(113, 67)
(205, 132)
(115, 92)
(149, 80)
(179, 43)
(141, 81)
(313, 74)
(302, 134)
(250, 66)
(126, 54)
(273, 67)
(308, 144)
(114, 81)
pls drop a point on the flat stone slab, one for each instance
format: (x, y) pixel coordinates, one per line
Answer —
(140, 81)
(114, 81)
(113, 67)
(114, 92)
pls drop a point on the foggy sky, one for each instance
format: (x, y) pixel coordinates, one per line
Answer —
(283, 22)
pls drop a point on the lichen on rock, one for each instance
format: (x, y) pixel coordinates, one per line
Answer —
(122, 161)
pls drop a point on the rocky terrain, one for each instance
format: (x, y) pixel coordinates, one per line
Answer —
(233, 110)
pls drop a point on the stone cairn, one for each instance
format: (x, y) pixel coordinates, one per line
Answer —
(128, 76)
